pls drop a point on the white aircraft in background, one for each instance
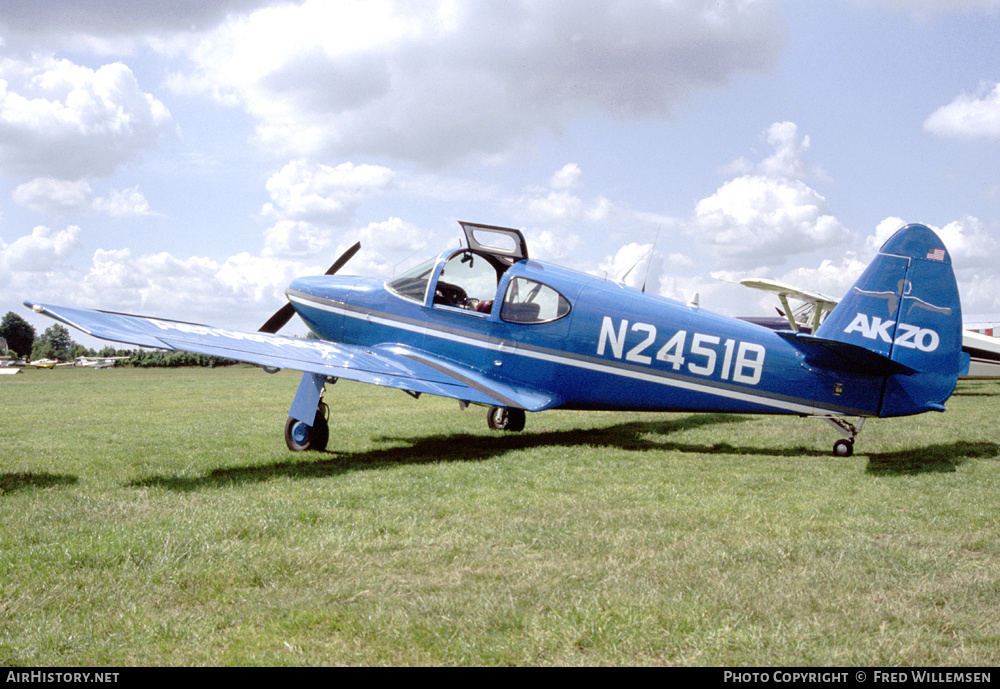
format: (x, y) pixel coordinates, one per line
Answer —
(97, 361)
(983, 350)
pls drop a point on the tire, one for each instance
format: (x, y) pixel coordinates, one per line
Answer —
(843, 448)
(300, 437)
(505, 419)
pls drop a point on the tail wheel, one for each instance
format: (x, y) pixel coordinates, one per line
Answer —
(301, 437)
(505, 419)
(845, 446)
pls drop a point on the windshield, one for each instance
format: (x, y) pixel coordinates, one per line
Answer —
(413, 283)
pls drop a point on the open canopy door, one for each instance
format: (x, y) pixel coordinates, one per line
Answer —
(504, 242)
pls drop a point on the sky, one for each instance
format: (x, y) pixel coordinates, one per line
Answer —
(187, 159)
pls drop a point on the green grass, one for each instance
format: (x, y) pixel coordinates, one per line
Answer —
(155, 517)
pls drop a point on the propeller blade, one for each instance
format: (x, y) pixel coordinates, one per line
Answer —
(285, 313)
(278, 320)
(344, 258)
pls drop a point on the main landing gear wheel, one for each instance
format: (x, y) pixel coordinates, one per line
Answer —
(505, 419)
(299, 437)
(843, 448)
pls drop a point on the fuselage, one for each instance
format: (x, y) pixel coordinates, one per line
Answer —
(587, 342)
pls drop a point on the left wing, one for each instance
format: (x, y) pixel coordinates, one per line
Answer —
(392, 366)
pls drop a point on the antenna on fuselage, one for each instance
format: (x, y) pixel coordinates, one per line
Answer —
(649, 263)
(648, 252)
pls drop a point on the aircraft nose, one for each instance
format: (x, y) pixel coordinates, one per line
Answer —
(320, 302)
(331, 288)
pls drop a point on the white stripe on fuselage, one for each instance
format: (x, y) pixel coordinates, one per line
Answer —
(563, 359)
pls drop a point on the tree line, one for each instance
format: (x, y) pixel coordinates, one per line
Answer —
(56, 343)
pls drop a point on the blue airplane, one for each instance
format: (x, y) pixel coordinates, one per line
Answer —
(487, 325)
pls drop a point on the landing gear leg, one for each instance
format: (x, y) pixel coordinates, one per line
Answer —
(308, 427)
(505, 419)
(845, 446)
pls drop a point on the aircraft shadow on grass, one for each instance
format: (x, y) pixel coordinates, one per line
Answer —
(931, 459)
(10, 483)
(635, 436)
(631, 436)
(982, 391)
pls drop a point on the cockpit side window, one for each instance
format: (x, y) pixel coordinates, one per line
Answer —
(528, 301)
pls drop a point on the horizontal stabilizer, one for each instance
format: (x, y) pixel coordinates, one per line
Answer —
(844, 356)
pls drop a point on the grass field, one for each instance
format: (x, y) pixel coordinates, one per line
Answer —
(155, 517)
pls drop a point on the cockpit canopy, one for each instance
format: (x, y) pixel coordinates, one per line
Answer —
(469, 279)
(505, 243)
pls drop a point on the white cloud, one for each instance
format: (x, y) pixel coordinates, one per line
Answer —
(55, 196)
(385, 245)
(260, 280)
(123, 203)
(980, 295)
(240, 291)
(48, 195)
(62, 120)
(568, 177)
(308, 190)
(393, 234)
(761, 219)
(295, 238)
(752, 221)
(40, 250)
(971, 244)
(309, 199)
(557, 204)
(788, 160)
(443, 79)
(390, 247)
(968, 116)
(547, 245)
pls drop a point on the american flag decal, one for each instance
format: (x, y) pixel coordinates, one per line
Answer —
(935, 255)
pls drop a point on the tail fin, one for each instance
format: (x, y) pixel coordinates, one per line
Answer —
(905, 306)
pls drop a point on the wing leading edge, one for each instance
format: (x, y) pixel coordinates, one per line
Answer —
(392, 366)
